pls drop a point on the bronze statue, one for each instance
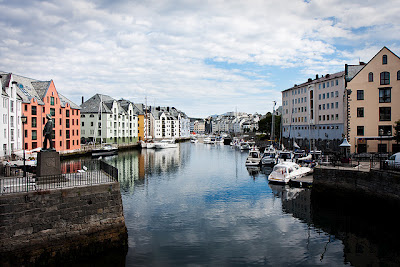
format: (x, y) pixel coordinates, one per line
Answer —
(47, 132)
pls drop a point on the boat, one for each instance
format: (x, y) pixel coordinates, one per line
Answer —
(219, 141)
(194, 141)
(148, 144)
(270, 157)
(286, 171)
(207, 140)
(105, 150)
(166, 144)
(285, 156)
(254, 157)
(244, 146)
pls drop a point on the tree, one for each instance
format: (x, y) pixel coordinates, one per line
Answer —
(264, 125)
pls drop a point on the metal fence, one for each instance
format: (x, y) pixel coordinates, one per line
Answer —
(91, 173)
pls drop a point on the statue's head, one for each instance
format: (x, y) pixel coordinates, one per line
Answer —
(48, 116)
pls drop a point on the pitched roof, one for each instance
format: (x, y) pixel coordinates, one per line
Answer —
(92, 104)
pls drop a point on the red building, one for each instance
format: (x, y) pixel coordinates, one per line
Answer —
(40, 98)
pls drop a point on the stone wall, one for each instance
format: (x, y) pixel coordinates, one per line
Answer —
(49, 227)
(383, 184)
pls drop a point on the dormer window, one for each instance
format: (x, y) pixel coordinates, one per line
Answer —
(384, 59)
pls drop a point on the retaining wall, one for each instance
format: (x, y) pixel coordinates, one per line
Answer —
(382, 184)
(49, 227)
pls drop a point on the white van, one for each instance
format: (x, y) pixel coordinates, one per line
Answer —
(394, 160)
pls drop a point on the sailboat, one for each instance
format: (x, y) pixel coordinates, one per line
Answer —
(104, 149)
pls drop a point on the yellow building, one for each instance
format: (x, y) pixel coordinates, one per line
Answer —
(373, 91)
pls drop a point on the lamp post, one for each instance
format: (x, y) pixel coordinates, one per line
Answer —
(389, 133)
(24, 120)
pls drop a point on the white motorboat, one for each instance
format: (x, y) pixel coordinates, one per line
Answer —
(244, 146)
(105, 150)
(270, 156)
(254, 157)
(147, 145)
(166, 144)
(207, 140)
(286, 171)
(194, 141)
(285, 156)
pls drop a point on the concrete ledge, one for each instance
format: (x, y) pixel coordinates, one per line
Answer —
(54, 226)
(382, 184)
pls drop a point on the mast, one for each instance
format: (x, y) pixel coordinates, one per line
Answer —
(273, 122)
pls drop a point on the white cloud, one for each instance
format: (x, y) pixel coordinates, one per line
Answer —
(159, 48)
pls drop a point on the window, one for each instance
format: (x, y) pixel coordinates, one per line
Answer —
(384, 59)
(33, 112)
(52, 112)
(52, 100)
(384, 130)
(360, 130)
(67, 113)
(370, 77)
(384, 113)
(360, 112)
(385, 78)
(34, 135)
(384, 95)
(67, 123)
(398, 75)
(34, 122)
(360, 94)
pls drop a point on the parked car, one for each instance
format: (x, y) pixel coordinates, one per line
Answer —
(393, 161)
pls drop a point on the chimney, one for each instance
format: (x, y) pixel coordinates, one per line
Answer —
(83, 99)
(316, 76)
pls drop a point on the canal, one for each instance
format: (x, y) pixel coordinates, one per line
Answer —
(199, 205)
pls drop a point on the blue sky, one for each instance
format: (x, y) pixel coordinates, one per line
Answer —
(202, 57)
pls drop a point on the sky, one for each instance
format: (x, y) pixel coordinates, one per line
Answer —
(202, 57)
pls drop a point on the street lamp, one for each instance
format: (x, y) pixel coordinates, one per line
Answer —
(24, 120)
(389, 133)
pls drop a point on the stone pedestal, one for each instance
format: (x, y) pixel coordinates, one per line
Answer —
(48, 164)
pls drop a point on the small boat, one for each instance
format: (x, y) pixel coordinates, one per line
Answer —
(105, 150)
(244, 146)
(147, 144)
(207, 140)
(254, 157)
(166, 144)
(285, 156)
(194, 141)
(270, 157)
(286, 171)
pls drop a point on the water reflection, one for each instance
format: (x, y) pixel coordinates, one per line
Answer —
(200, 205)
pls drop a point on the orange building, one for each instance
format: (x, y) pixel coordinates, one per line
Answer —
(40, 98)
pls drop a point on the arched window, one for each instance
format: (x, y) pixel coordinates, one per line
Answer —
(398, 75)
(385, 78)
(370, 77)
(384, 59)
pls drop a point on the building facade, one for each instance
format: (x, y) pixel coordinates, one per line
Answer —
(373, 94)
(36, 99)
(106, 120)
(313, 112)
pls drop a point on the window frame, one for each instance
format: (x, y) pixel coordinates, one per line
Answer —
(386, 97)
(385, 116)
(385, 78)
(370, 77)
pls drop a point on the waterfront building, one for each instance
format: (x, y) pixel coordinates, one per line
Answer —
(164, 123)
(139, 111)
(314, 112)
(34, 99)
(372, 91)
(107, 120)
(199, 126)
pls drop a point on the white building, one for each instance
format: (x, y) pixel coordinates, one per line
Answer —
(314, 110)
(10, 109)
(108, 120)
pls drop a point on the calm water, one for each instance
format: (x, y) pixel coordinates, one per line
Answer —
(199, 205)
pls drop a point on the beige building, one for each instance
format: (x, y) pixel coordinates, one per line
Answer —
(374, 94)
(313, 111)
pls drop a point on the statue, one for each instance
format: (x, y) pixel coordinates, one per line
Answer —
(47, 132)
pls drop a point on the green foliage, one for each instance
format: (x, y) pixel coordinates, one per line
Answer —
(265, 125)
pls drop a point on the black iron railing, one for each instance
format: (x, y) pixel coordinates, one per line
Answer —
(74, 174)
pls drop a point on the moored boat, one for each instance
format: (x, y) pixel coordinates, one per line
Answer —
(166, 144)
(105, 150)
(286, 171)
(254, 157)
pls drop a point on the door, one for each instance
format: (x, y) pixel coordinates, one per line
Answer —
(361, 148)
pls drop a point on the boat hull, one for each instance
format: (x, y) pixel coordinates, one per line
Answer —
(100, 152)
